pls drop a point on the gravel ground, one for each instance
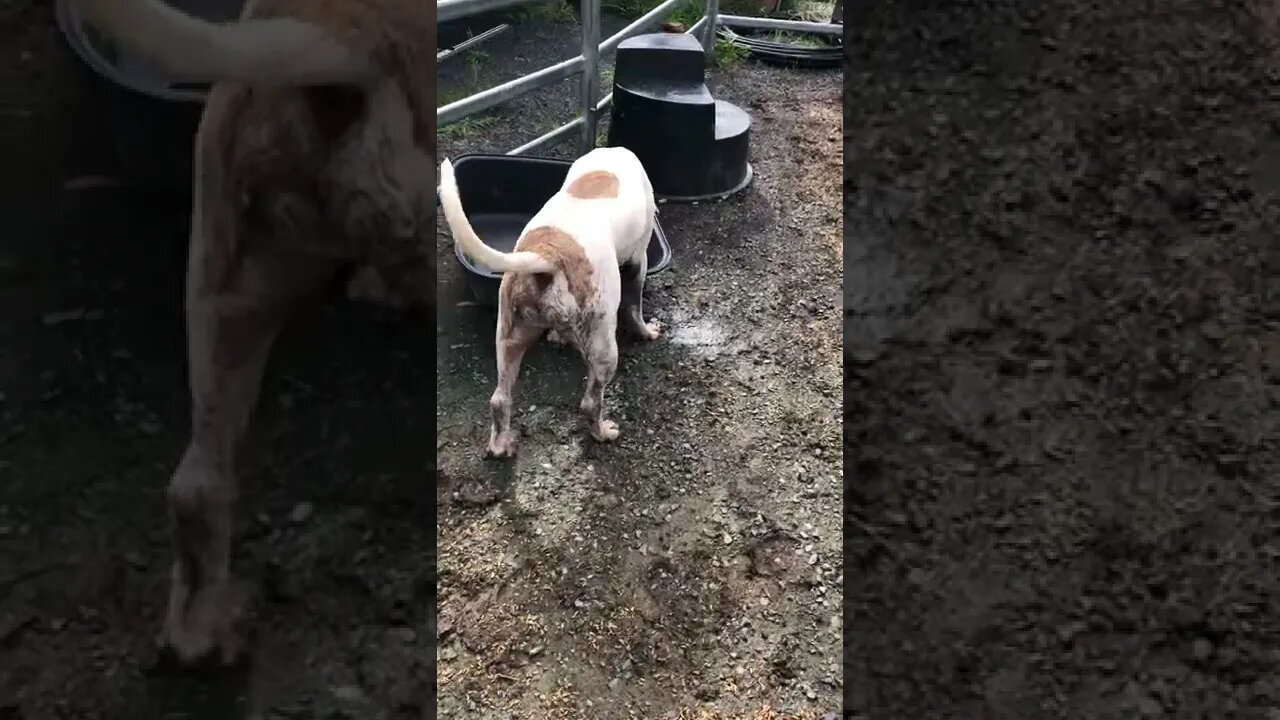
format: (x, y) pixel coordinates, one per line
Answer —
(1063, 359)
(694, 566)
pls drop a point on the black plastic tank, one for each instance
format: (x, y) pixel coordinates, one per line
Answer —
(500, 195)
(693, 146)
(152, 117)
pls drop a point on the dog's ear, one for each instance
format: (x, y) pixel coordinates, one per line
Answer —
(335, 108)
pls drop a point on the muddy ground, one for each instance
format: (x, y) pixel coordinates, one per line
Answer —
(693, 567)
(335, 516)
(1061, 390)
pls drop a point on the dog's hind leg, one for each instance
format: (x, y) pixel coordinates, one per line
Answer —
(631, 309)
(231, 327)
(513, 340)
(600, 354)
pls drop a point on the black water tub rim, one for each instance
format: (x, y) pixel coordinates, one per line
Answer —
(471, 267)
(491, 275)
(710, 197)
(73, 28)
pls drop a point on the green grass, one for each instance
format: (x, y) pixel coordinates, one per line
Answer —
(688, 14)
(553, 10)
(798, 39)
(728, 54)
(466, 126)
(811, 10)
(476, 61)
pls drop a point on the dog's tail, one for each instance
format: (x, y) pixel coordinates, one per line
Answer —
(460, 227)
(281, 51)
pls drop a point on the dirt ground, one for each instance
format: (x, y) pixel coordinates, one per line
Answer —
(1062, 383)
(694, 566)
(335, 522)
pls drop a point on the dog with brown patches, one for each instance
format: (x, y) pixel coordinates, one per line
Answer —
(316, 151)
(578, 265)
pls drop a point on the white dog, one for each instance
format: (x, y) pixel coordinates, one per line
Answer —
(316, 149)
(578, 263)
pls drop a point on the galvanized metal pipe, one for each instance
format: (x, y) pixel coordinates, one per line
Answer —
(587, 64)
(697, 27)
(550, 138)
(786, 25)
(590, 71)
(471, 42)
(639, 25)
(481, 101)
(712, 18)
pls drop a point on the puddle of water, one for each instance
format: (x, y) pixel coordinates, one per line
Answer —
(703, 336)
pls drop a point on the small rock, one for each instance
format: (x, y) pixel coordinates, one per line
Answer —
(1149, 707)
(1201, 649)
(52, 319)
(1212, 331)
(301, 513)
(348, 693)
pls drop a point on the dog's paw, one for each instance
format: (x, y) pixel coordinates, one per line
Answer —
(213, 630)
(606, 431)
(502, 446)
(651, 330)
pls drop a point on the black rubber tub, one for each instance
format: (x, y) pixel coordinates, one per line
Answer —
(152, 116)
(500, 193)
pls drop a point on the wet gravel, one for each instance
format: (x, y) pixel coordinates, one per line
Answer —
(694, 566)
(1062, 364)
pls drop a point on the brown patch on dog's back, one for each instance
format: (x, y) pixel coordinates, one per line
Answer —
(595, 185)
(561, 250)
(525, 290)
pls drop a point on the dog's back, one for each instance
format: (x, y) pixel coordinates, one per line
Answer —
(606, 203)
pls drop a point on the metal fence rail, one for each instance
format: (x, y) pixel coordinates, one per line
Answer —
(588, 63)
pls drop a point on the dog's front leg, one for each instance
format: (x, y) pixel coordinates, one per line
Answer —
(600, 354)
(631, 309)
(230, 329)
